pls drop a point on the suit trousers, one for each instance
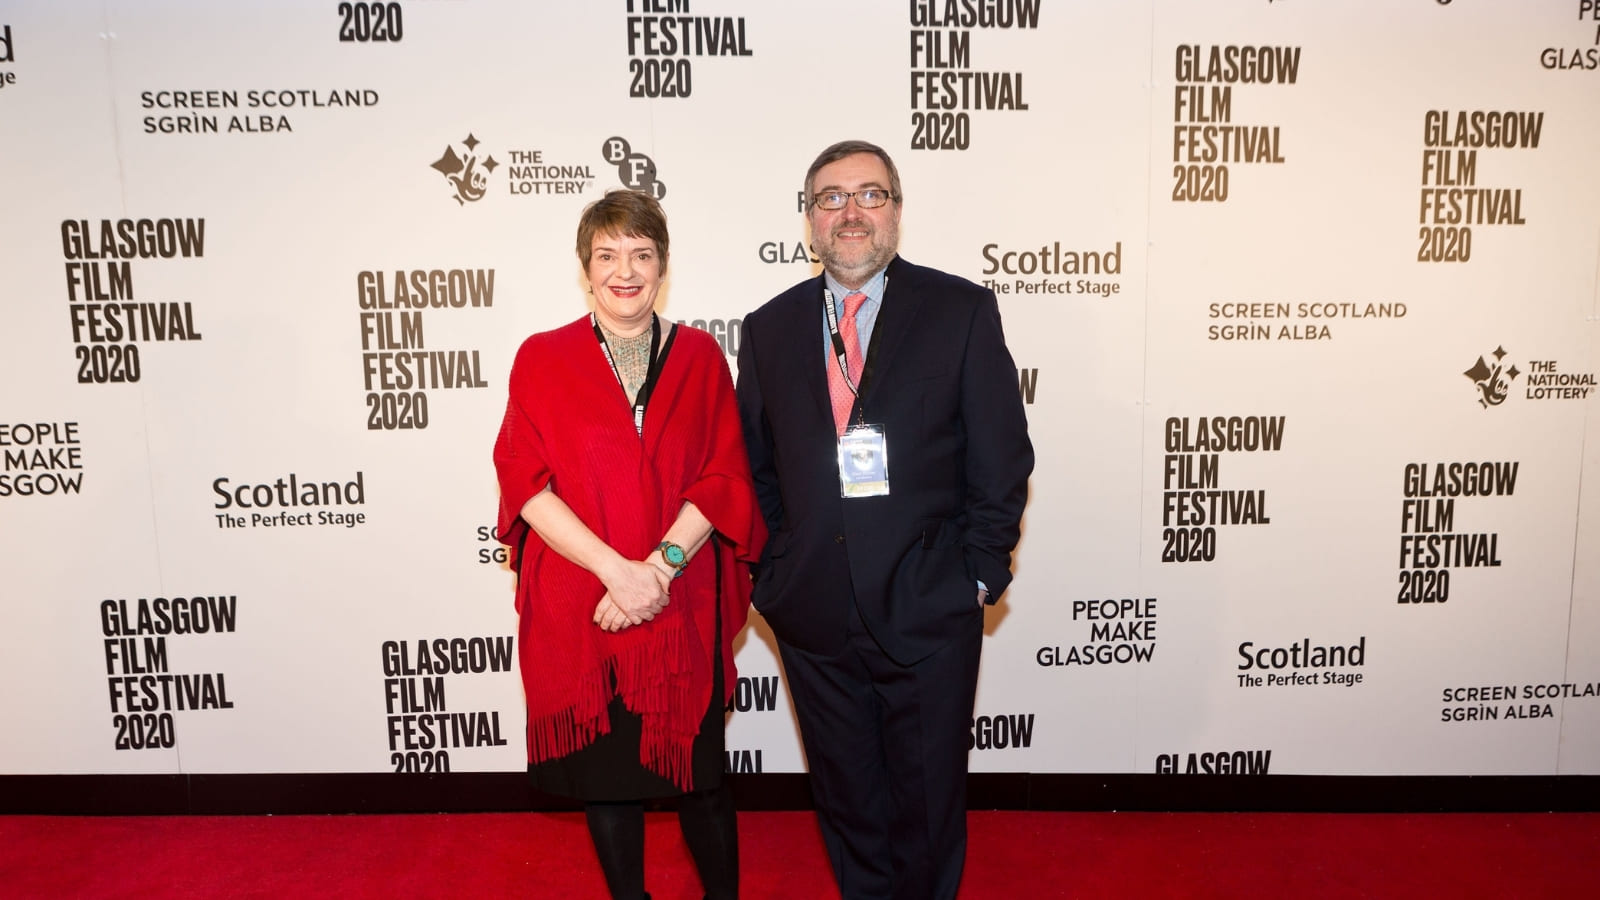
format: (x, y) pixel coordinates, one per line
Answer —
(886, 746)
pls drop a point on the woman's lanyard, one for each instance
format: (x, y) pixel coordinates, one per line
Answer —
(651, 373)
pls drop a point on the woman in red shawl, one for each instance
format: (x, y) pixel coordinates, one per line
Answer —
(625, 488)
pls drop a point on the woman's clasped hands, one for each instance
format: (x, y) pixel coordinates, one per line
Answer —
(636, 591)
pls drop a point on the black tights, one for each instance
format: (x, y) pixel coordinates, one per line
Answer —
(618, 833)
(710, 829)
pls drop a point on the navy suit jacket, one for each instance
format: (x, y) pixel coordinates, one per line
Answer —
(944, 387)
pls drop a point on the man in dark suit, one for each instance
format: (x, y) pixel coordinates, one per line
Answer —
(891, 458)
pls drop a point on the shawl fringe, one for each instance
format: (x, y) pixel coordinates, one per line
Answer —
(653, 678)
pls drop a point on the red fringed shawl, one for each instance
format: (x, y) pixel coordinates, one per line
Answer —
(568, 424)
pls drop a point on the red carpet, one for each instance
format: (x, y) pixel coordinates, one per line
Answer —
(1013, 855)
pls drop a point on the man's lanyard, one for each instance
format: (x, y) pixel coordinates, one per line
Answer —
(651, 373)
(839, 353)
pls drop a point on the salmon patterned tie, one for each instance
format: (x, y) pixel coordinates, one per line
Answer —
(838, 391)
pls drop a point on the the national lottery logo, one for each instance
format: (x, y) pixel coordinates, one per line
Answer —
(636, 171)
(467, 172)
(1493, 380)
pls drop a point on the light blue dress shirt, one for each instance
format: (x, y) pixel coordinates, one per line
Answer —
(866, 316)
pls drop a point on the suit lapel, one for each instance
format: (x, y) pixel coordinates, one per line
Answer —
(802, 322)
(897, 315)
(809, 352)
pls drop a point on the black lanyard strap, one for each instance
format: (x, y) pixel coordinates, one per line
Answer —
(839, 353)
(652, 372)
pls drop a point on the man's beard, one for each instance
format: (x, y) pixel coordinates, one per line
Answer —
(851, 266)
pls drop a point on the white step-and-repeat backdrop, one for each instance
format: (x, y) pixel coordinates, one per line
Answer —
(1302, 295)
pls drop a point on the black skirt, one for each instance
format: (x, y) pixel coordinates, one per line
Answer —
(609, 770)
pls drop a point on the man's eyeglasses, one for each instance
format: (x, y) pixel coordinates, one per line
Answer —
(866, 198)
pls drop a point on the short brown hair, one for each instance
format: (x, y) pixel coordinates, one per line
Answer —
(851, 148)
(621, 213)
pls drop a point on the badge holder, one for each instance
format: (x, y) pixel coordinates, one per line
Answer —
(863, 462)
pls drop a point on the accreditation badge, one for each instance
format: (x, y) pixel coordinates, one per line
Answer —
(863, 462)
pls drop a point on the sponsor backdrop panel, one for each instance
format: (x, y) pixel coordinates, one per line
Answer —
(1310, 308)
(1059, 234)
(75, 481)
(1248, 425)
(1579, 752)
(1303, 317)
(292, 484)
